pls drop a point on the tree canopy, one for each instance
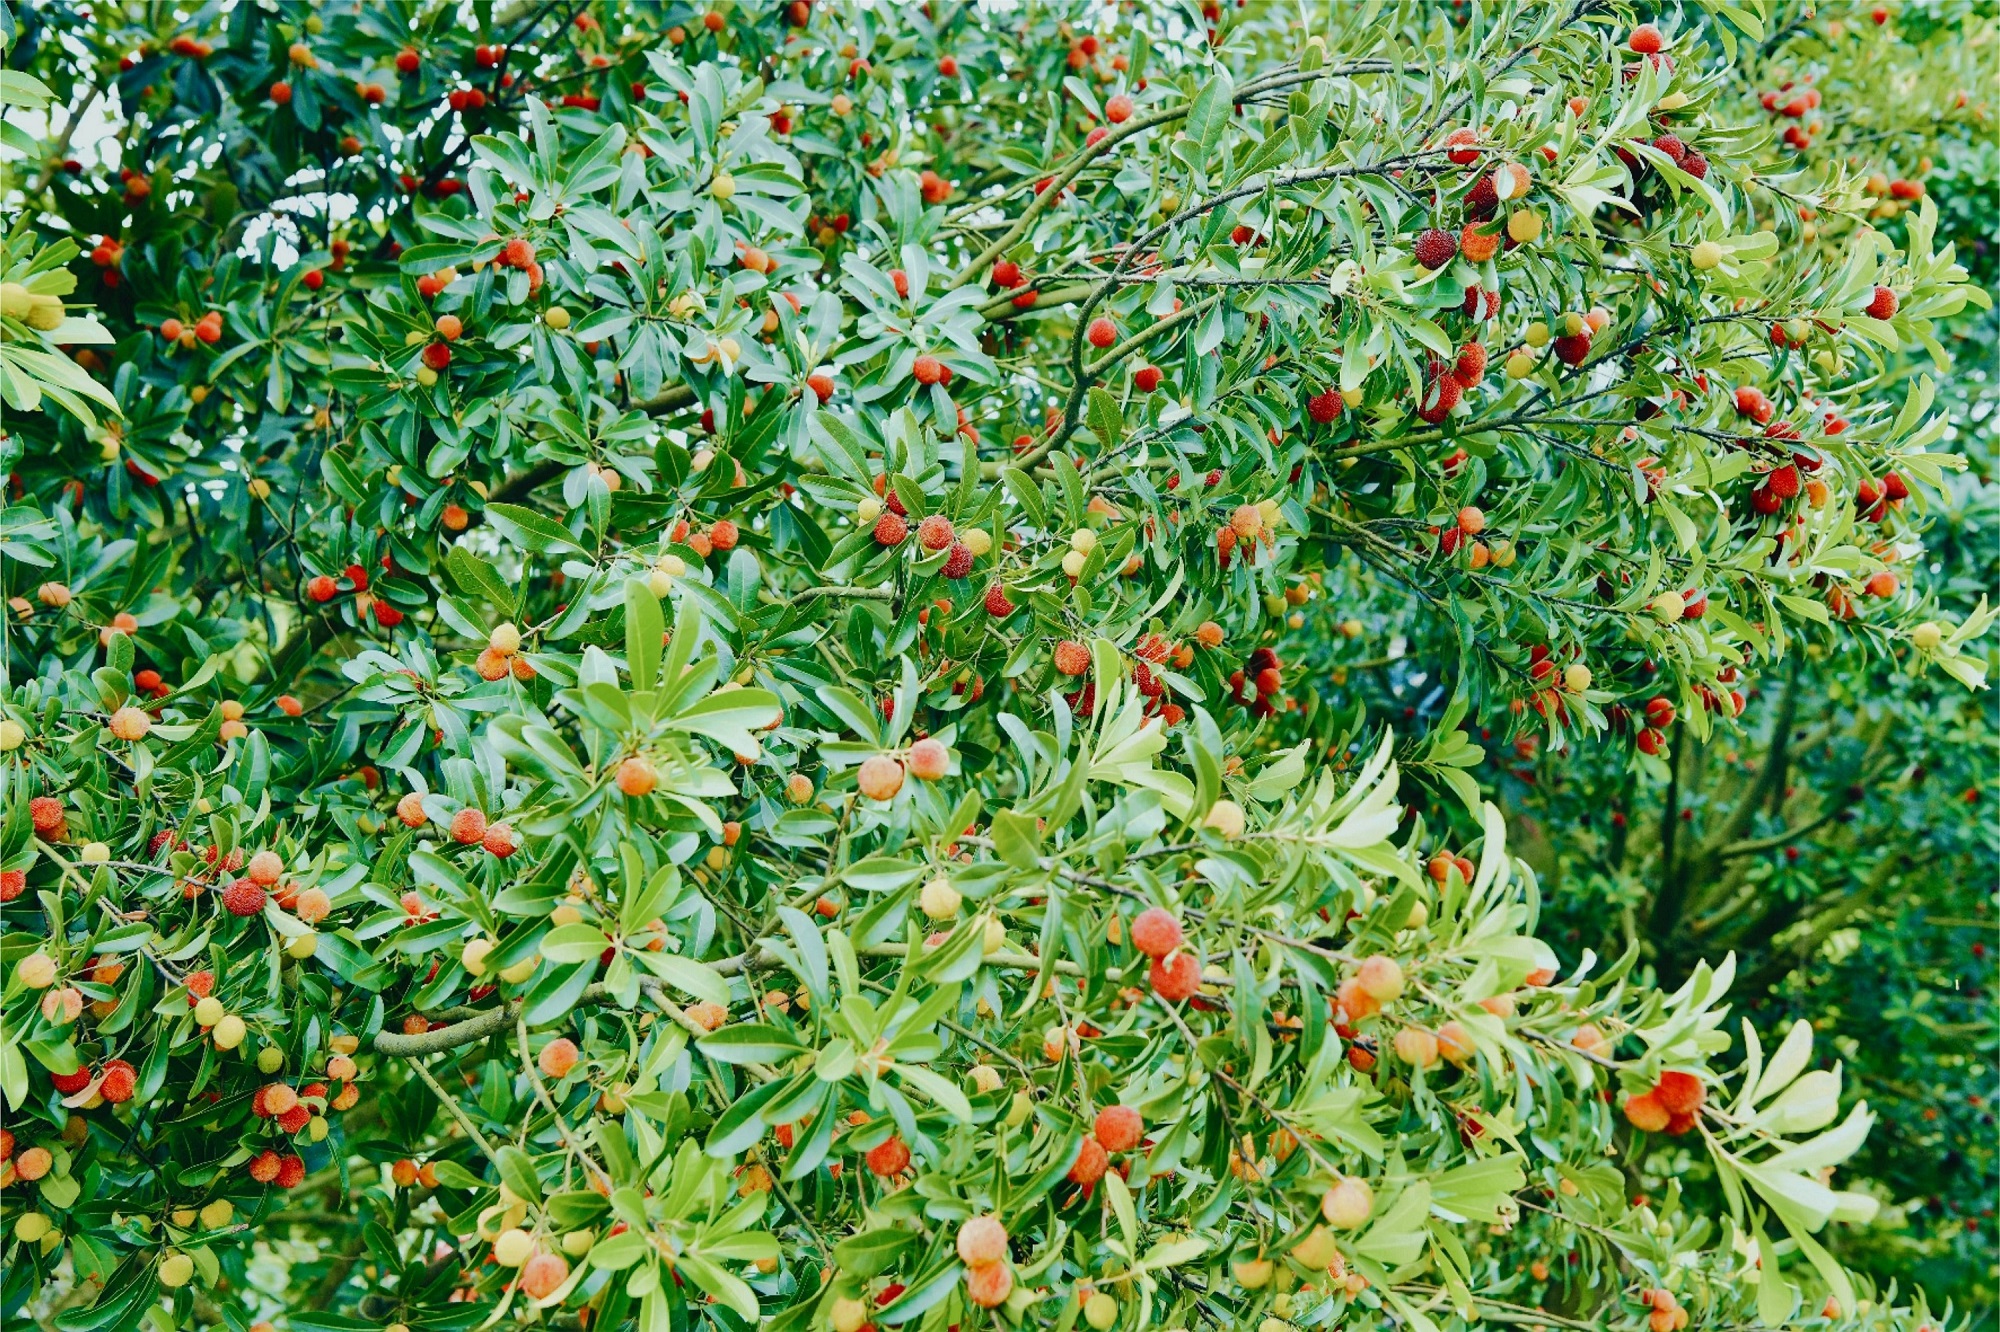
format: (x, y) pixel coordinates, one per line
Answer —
(838, 667)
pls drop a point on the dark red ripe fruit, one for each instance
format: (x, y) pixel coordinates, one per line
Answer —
(1646, 40)
(1883, 306)
(890, 529)
(1325, 407)
(70, 1083)
(291, 1172)
(1671, 145)
(1481, 200)
(997, 604)
(1146, 378)
(959, 563)
(1659, 711)
(1435, 248)
(1573, 348)
(1695, 165)
(1006, 273)
(408, 61)
(1651, 741)
(1439, 399)
(1784, 482)
(1470, 367)
(245, 897)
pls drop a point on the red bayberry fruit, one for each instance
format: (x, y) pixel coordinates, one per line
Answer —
(1102, 332)
(1884, 304)
(890, 530)
(1325, 407)
(997, 604)
(1090, 1164)
(888, 1158)
(1435, 248)
(1175, 977)
(1155, 932)
(1118, 1128)
(1646, 40)
(244, 897)
(468, 827)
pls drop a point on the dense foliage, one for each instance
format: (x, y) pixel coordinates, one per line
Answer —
(675, 665)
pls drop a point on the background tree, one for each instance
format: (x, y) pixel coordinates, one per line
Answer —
(676, 686)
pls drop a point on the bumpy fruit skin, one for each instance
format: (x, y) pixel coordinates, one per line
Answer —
(934, 533)
(1146, 378)
(1175, 977)
(888, 1158)
(468, 827)
(989, 1285)
(997, 604)
(120, 1081)
(880, 777)
(244, 897)
(1573, 348)
(1883, 304)
(890, 530)
(959, 563)
(410, 809)
(1072, 657)
(1645, 40)
(927, 369)
(1435, 248)
(1090, 1164)
(1679, 1093)
(982, 1240)
(129, 723)
(1102, 332)
(1155, 932)
(1119, 1128)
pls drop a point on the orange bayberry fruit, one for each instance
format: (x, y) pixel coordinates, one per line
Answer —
(982, 1240)
(1209, 635)
(929, 759)
(557, 1058)
(1090, 1164)
(1155, 932)
(410, 809)
(1119, 1128)
(265, 867)
(1645, 1112)
(934, 533)
(1072, 657)
(636, 777)
(468, 827)
(1679, 1093)
(1175, 977)
(880, 777)
(889, 1158)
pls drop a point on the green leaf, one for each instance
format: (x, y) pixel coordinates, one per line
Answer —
(530, 530)
(645, 630)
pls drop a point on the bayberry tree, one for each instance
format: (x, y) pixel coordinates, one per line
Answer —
(656, 675)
